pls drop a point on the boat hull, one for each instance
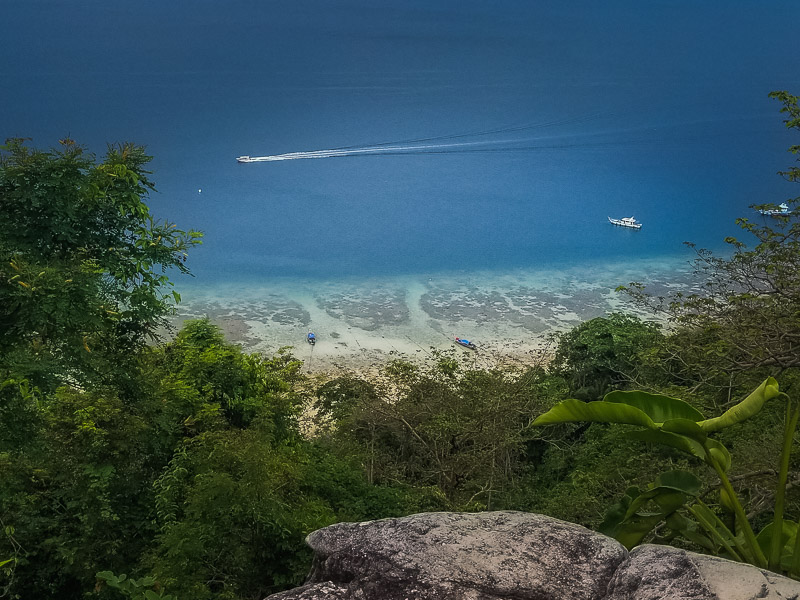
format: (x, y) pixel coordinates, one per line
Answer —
(629, 223)
(466, 344)
(775, 212)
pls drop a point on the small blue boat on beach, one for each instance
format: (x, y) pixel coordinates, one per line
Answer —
(466, 343)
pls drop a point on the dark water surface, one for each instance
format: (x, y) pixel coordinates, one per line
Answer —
(654, 109)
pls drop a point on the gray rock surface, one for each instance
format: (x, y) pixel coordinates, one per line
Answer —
(316, 591)
(660, 572)
(494, 555)
(514, 556)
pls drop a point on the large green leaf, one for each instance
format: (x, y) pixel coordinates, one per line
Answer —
(571, 411)
(688, 529)
(719, 453)
(682, 481)
(628, 521)
(788, 535)
(685, 444)
(617, 511)
(637, 524)
(674, 440)
(633, 530)
(665, 486)
(659, 408)
(686, 428)
(745, 409)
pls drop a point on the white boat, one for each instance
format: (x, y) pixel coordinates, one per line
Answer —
(244, 159)
(626, 222)
(782, 210)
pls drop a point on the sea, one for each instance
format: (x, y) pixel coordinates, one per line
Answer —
(502, 135)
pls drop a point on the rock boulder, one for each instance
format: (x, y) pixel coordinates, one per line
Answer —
(660, 572)
(514, 556)
(492, 555)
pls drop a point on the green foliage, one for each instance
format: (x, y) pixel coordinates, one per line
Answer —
(340, 398)
(674, 423)
(82, 261)
(144, 588)
(459, 432)
(233, 514)
(631, 520)
(77, 491)
(8, 566)
(603, 353)
(222, 375)
(790, 108)
(102, 481)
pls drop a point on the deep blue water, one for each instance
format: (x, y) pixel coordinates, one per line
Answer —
(655, 109)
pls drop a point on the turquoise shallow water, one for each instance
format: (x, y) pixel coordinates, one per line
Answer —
(363, 321)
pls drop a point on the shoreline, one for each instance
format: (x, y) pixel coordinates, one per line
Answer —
(363, 324)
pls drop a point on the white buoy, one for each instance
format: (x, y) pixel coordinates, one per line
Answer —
(200, 191)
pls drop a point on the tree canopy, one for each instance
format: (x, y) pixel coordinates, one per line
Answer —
(84, 265)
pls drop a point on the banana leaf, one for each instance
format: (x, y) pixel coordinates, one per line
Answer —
(744, 409)
(685, 444)
(635, 528)
(659, 408)
(716, 529)
(686, 428)
(688, 529)
(617, 511)
(571, 411)
(628, 521)
(719, 453)
(667, 483)
(788, 536)
(681, 481)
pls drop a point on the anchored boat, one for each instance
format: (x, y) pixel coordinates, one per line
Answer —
(311, 338)
(466, 343)
(626, 222)
(781, 211)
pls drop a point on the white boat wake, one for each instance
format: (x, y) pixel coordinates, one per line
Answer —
(420, 145)
(443, 144)
(337, 152)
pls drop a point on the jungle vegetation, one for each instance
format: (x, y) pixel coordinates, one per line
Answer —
(137, 467)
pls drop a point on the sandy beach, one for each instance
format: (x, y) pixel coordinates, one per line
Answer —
(361, 324)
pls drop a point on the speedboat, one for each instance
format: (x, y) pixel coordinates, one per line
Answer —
(466, 343)
(781, 211)
(244, 159)
(626, 222)
(311, 338)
